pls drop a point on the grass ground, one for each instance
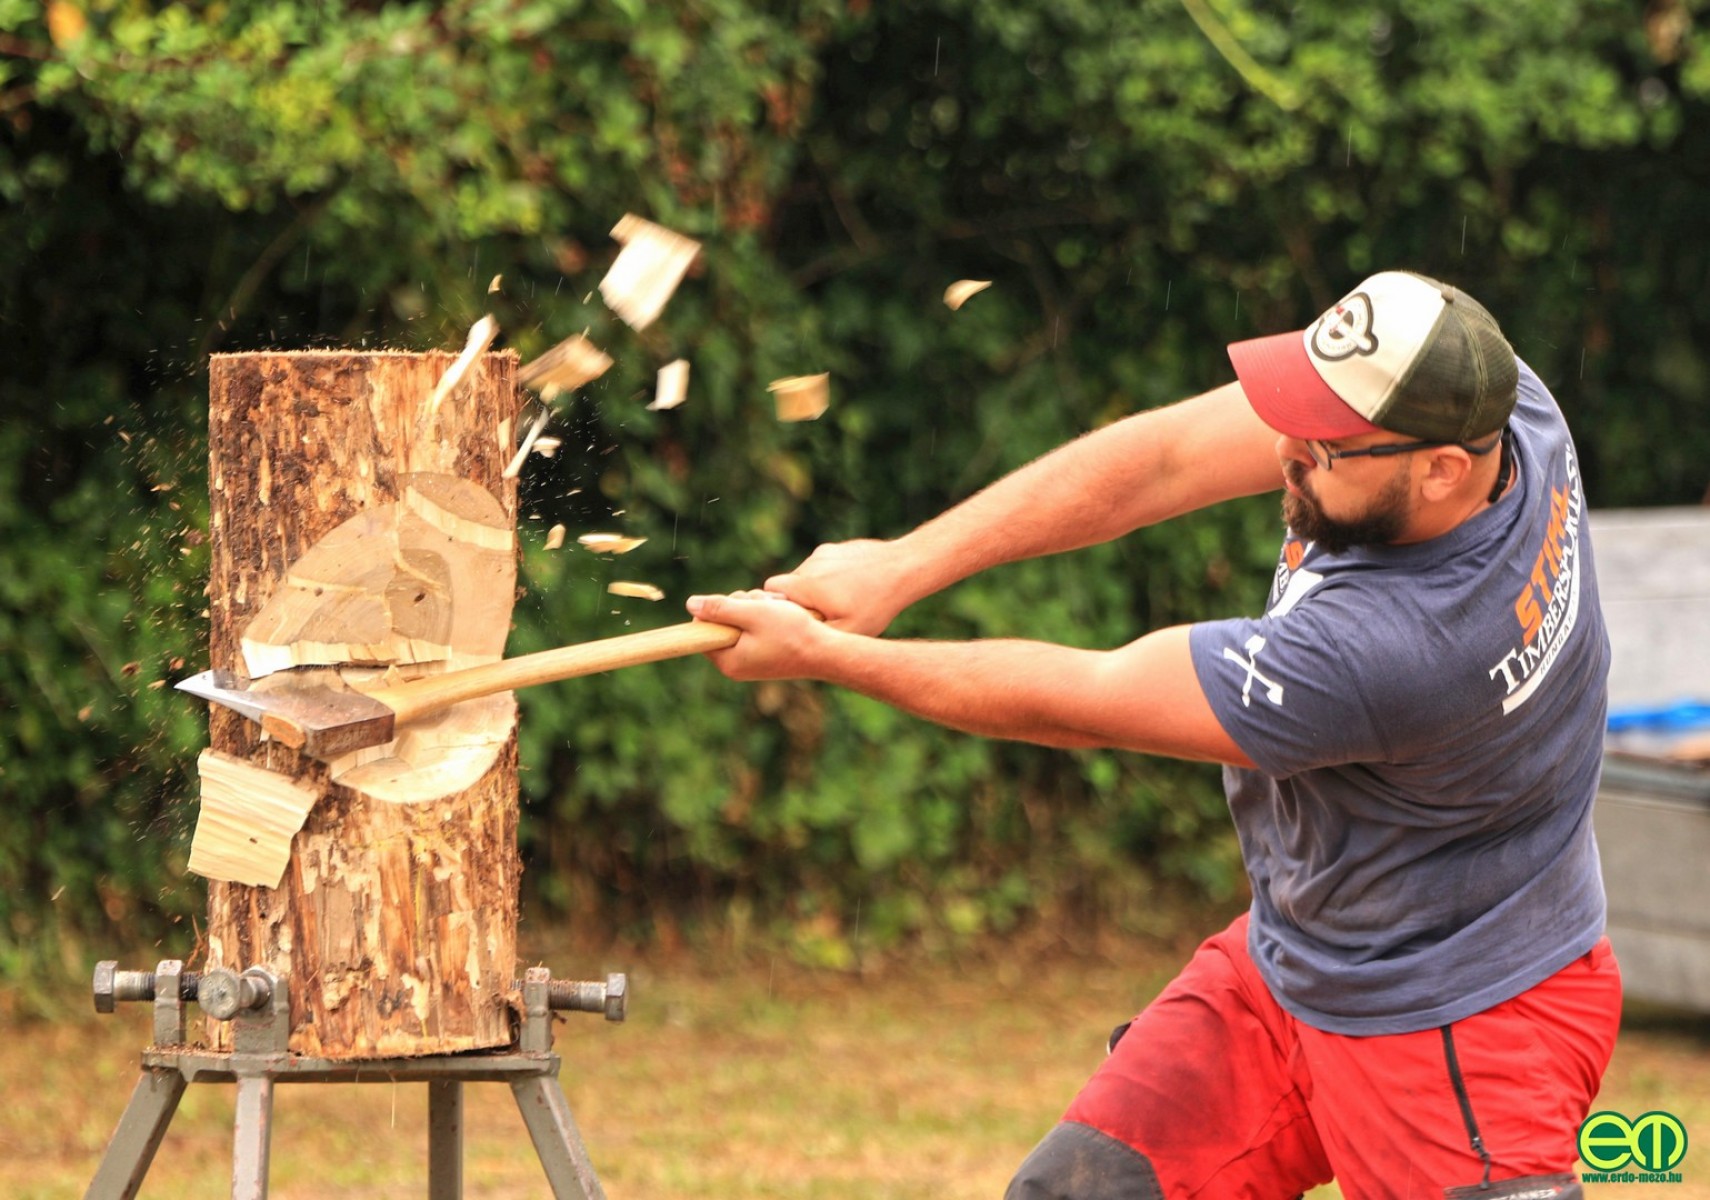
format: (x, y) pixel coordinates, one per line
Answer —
(923, 1079)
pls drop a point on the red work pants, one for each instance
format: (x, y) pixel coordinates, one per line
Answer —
(1228, 1096)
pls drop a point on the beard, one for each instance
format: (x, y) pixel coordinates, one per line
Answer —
(1383, 520)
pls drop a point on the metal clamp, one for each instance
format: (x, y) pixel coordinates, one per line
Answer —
(257, 1000)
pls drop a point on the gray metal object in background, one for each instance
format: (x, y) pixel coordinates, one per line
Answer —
(258, 1004)
(1653, 814)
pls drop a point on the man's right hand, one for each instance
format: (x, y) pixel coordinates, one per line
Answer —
(859, 586)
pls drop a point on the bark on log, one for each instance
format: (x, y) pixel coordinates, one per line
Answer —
(351, 521)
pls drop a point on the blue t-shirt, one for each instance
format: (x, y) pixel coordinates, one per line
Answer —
(1427, 722)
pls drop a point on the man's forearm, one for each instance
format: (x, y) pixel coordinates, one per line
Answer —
(999, 688)
(1138, 471)
(1144, 696)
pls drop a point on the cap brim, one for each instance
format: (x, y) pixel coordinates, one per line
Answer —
(1287, 391)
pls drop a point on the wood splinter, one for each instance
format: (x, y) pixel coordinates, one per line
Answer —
(801, 397)
(481, 336)
(514, 467)
(565, 367)
(610, 543)
(646, 271)
(639, 591)
(673, 386)
(957, 294)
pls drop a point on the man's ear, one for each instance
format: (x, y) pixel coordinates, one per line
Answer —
(1447, 468)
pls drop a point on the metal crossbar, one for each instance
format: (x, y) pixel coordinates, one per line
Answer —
(258, 1004)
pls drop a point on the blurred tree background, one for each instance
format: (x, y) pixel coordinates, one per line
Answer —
(1143, 183)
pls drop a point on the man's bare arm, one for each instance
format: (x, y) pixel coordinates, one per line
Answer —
(1145, 696)
(1136, 472)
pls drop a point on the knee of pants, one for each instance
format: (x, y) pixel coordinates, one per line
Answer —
(1077, 1162)
(1531, 1187)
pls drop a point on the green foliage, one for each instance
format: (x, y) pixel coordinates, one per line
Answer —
(1143, 183)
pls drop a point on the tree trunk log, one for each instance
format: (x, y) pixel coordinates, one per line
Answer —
(358, 526)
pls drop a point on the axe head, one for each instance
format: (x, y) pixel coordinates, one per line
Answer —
(316, 719)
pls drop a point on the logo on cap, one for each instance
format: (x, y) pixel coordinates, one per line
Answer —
(1345, 330)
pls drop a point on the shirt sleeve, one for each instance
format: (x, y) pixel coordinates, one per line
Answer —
(1285, 693)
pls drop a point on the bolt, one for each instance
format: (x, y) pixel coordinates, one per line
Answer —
(112, 985)
(223, 993)
(610, 997)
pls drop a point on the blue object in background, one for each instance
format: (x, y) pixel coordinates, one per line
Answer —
(1663, 718)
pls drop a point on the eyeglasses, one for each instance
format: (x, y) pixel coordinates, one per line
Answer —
(1325, 457)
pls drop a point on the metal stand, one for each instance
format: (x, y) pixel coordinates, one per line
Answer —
(258, 1002)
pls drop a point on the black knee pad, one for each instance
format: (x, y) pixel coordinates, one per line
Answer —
(1077, 1162)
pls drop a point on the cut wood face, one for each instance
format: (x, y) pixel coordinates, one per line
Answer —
(428, 579)
(423, 585)
(431, 757)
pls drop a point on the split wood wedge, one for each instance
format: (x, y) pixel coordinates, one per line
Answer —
(325, 723)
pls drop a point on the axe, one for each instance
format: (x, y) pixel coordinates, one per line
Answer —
(324, 723)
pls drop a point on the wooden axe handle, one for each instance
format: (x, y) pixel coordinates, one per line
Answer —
(424, 697)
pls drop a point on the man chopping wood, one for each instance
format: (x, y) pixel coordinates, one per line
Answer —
(1420, 998)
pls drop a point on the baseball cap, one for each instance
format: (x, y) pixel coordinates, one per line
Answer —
(1401, 352)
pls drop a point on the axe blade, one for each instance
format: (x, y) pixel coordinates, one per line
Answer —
(319, 721)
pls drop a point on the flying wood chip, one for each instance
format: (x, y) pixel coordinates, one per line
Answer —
(566, 366)
(481, 336)
(610, 543)
(555, 537)
(646, 271)
(801, 397)
(956, 295)
(673, 386)
(514, 467)
(641, 591)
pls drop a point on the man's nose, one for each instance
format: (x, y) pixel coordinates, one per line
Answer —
(1293, 448)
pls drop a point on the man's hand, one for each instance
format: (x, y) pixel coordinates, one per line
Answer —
(779, 639)
(860, 586)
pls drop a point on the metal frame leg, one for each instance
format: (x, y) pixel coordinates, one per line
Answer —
(556, 1139)
(252, 1137)
(140, 1131)
(445, 1140)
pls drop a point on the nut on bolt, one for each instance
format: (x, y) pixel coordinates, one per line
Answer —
(617, 996)
(106, 972)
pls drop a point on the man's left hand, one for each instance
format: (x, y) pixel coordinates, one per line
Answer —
(779, 639)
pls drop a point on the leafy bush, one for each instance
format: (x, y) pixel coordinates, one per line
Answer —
(1143, 184)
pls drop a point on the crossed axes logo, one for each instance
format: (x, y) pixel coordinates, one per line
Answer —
(1273, 689)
